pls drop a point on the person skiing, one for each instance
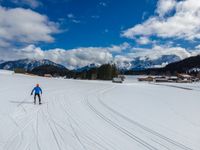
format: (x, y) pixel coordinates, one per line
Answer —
(37, 91)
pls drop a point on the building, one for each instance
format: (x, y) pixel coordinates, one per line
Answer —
(162, 79)
(117, 80)
(184, 78)
(147, 79)
(48, 75)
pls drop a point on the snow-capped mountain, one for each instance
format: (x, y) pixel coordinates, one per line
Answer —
(145, 63)
(1, 61)
(86, 68)
(27, 64)
(140, 63)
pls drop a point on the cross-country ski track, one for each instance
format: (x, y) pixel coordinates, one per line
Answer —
(98, 115)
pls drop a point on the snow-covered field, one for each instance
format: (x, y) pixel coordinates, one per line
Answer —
(98, 115)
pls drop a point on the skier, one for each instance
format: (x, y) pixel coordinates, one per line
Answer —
(37, 93)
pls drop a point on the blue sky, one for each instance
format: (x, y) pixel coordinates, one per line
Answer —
(76, 32)
(91, 22)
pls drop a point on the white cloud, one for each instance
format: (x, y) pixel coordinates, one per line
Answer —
(4, 44)
(143, 40)
(30, 3)
(197, 47)
(118, 48)
(154, 53)
(76, 21)
(183, 24)
(95, 16)
(165, 6)
(70, 16)
(104, 4)
(159, 50)
(83, 56)
(20, 25)
(73, 19)
(70, 58)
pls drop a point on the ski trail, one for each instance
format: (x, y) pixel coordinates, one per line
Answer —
(16, 134)
(85, 136)
(37, 132)
(86, 115)
(146, 129)
(55, 124)
(117, 126)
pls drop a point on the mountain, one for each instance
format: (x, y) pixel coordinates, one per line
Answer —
(1, 61)
(138, 63)
(186, 65)
(86, 68)
(50, 69)
(145, 62)
(189, 65)
(27, 64)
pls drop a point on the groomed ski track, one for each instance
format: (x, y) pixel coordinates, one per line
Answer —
(97, 115)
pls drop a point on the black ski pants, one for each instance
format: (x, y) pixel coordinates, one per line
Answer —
(39, 97)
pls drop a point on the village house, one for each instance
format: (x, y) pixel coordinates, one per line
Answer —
(147, 79)
(184, 78)
(48, 75)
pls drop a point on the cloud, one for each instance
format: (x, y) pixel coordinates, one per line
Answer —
(118, 48)
(122, 54)
(165, 6)
(22, 26)
(76, 21)
(70, 15)
(183, 24)
(104, 4)
(197, 47)
(159, 50)
(95, 16)
(30, 3)
(143, 41)
(71, 58)
(154, 53)
(73, 19)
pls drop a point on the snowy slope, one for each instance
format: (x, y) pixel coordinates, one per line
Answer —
(6, 72)
(97, 115)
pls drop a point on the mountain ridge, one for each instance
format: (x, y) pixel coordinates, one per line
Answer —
(27, 64)
(190, 65)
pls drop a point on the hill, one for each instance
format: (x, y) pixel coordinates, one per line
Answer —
(189, 65)
(27, 64)
(50, 69)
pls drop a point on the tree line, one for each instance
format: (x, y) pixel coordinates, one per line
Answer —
(104, 72)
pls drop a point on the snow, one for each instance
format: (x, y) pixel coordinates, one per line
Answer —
(98, 115)
(6, 72)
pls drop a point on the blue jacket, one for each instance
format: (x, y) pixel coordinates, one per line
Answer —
(37, 90)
